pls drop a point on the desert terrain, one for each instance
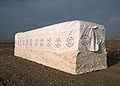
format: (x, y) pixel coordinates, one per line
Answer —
(15, 71)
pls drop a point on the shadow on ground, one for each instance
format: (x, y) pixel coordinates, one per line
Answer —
(113, 52)
(112, 60)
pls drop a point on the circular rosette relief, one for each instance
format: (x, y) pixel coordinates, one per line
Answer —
(85, 40)
(41, 42)
(49, 40)
(36, 41)
(58, 42)
(26, 42)
(70, 41)
(23, 42)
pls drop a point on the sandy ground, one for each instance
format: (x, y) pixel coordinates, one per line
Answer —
(15, 71)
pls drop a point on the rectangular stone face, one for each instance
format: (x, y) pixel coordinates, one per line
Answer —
(62, 61)
(79, 50)
(90, 61)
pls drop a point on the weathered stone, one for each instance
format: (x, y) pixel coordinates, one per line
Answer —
(74, 47)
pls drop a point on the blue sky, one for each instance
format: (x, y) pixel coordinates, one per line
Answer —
(22, 15)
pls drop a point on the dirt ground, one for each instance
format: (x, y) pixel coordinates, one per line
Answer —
(15, 71)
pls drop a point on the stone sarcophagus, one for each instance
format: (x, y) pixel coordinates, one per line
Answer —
(74, 47)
